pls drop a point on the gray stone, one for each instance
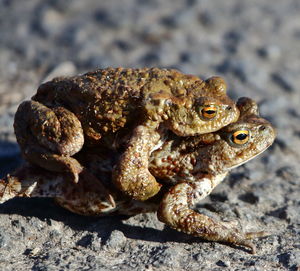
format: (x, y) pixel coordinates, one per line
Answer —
(116, 240)
(270, 52)
(283, 81)
(4, 239)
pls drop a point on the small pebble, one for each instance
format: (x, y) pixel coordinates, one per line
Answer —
(63, 69)
(283, 82)
(270, 52)
(116, 239)
(223, 263)
(4, 240)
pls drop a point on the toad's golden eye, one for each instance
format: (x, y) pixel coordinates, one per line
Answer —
(209, 112)
(240, 137)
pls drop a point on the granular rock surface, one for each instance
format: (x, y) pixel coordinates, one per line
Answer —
(254, 45)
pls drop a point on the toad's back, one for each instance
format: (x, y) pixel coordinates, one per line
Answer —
(106, 100)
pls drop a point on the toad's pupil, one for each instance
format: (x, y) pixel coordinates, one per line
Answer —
(241, 136)
(210, 112)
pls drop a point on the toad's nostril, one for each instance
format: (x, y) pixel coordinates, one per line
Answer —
(262, 128)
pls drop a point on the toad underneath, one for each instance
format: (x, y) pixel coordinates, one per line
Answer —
(189, 168)
(97, 108)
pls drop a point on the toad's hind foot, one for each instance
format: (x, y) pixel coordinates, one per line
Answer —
(48, 137)
(239, 238)
(252, 235)
(256, 234)
(175, 210)
(61, 164)
(248, 244)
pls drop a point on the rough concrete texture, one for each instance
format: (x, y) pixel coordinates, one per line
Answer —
(254, 44)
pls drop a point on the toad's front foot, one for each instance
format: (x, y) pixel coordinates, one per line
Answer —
(140, 187)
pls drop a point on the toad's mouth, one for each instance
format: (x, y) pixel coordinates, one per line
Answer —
(193, 129)
(250, 158)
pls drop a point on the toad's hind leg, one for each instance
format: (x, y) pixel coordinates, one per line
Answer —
(175, 210)
(87, 197)
(49, 136)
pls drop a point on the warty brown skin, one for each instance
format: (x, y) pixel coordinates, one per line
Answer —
(97, 108)
(197, 165)
(191, 166)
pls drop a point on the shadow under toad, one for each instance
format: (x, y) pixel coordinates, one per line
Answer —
(46, 209)
(10, 157)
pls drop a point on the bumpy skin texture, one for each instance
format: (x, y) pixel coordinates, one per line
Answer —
(192, 167)
(196, 165)
(97, 108)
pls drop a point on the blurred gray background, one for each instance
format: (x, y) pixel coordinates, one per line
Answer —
(254, 45)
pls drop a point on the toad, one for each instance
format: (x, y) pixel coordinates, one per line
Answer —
(97, 108)
(189, 168)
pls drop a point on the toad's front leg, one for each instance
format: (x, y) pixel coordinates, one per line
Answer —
(131, 175)
(175, 210)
